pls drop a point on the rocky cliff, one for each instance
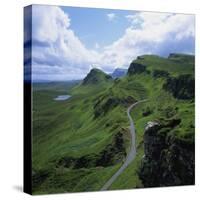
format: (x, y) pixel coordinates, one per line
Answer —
(168, 160)
(181, 87)
(136, 68)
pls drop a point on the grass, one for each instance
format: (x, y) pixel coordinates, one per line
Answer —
(174, 66)
(63, 128)
(69, 128)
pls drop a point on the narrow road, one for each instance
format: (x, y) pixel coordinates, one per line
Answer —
(130, 157)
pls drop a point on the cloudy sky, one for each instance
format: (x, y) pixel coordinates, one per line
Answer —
(67, 42)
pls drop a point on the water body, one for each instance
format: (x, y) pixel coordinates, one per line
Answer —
(62, 97)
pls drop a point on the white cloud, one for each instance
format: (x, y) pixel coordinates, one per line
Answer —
(49, 22)
(134, 20)
(156, 33)
(111, 16)
(59, 54)
(56, 45)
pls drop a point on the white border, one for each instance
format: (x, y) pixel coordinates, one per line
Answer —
(11, 70)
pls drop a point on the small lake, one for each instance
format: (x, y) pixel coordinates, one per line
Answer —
(62, 97)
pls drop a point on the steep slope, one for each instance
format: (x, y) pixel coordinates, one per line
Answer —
(80, 146)
(96, 76)
(169, 86)
(168, 160)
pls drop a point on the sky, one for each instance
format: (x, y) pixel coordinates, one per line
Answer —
(66, 42)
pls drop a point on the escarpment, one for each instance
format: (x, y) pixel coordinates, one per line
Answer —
(168, 160)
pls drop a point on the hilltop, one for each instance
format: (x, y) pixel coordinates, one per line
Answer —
(174, 64)
(96, 76)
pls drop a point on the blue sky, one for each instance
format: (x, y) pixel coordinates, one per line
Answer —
(93, 26)
(67, 41)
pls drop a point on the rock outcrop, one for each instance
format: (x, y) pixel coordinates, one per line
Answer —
(136, 68)
(181, 87)
(168, 160)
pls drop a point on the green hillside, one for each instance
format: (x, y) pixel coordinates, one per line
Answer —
(78, 144)
(175, 64)
(96, 76)
(165, 108)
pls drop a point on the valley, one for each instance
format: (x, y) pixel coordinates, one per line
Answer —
(81, 142)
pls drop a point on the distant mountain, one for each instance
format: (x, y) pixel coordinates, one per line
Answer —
(96, 76)
(119, 72)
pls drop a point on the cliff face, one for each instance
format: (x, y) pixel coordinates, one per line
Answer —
(136, 68)
(168, 160)
(182, 87)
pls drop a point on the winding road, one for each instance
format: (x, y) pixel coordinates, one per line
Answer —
(130, 157)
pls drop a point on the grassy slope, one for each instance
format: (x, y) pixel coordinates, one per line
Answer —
(158, 101)
(182, 64)
(68, 127)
